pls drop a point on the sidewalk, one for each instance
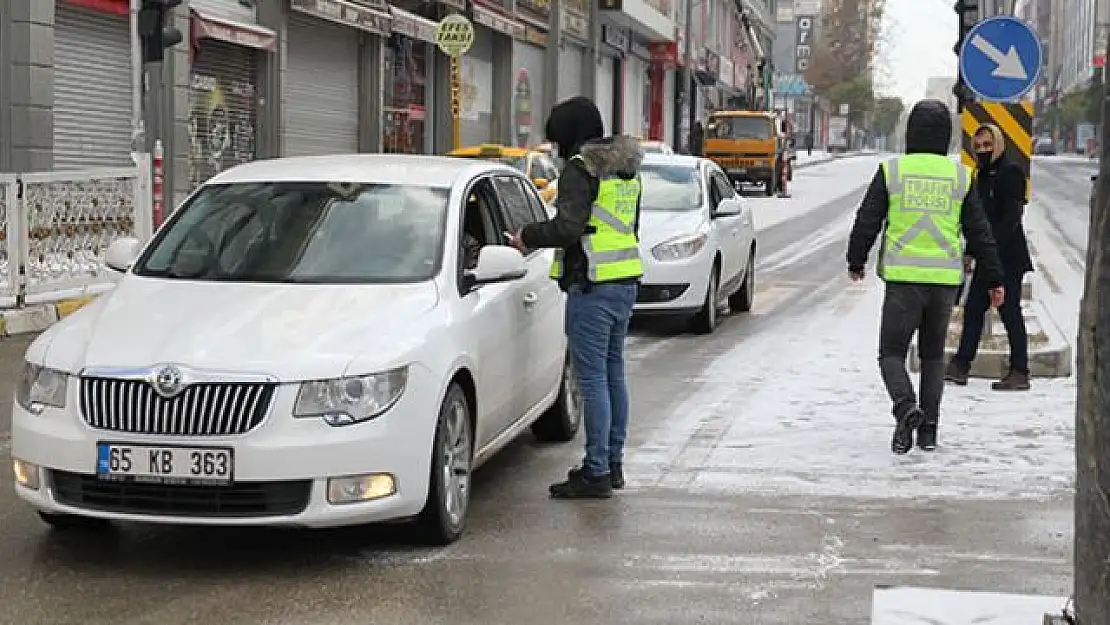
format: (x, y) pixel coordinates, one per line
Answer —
(818, 157)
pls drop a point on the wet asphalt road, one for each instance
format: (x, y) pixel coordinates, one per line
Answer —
(651, 555)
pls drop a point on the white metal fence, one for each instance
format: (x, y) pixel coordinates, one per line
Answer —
(56, 226)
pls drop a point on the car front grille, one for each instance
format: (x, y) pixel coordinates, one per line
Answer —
(239, 500)
(203, 409)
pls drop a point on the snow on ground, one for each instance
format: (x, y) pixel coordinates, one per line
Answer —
(1066, 158)
(814, 186)
(803, 411)
(913, 606)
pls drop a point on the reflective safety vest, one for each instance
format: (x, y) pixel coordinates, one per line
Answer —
(922, 242)
(612, 251)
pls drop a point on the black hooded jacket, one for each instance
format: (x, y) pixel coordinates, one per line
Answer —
(1002, 191)
(928, 131)
(576, 127)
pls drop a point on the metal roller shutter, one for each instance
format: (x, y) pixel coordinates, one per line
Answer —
(570, 71)
(223, 113)
(92, 89)
(528, 113)
(321, 88)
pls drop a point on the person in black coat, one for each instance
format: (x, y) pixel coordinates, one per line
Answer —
(1001, 185)
(697, 138)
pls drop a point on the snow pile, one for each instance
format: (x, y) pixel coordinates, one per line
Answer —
(814, 187)
(803, 411)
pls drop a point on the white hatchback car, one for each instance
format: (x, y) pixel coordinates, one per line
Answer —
(312, 342)
(697, 239)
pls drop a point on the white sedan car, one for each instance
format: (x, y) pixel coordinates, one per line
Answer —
(697, 240)
(311, 342)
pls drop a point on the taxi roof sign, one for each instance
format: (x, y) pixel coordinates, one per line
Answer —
(454, 35)
(491, 149)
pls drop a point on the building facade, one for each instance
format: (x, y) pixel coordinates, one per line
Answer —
(277, 78)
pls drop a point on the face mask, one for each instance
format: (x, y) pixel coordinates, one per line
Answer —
(984, 158)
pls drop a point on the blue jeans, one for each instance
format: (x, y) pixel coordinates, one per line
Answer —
(596, 324)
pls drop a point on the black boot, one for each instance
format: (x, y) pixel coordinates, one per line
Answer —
(902, 441)
(581, 485)
(616, 475)
(927, 436)
(956, 373)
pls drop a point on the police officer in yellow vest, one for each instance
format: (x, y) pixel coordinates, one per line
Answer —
(921, 203)
(597, 263)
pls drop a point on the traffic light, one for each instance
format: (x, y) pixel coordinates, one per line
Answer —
(968, 13)
(156, 30)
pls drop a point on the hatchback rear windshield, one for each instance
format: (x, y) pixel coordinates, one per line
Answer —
(740, 128)
(303, 232)
(670, 187)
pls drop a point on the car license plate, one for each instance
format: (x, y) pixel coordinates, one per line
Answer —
(164, 464)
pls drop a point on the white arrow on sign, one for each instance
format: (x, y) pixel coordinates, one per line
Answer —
(1009, 64)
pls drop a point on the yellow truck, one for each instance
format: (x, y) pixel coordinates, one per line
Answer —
(750, 146)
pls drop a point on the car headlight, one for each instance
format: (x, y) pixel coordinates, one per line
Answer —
(41, 387)
(354, 399)
(680, 248)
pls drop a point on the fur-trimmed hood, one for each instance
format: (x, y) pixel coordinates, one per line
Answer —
(613, 156)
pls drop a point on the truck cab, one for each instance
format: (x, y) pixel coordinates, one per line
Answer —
(749, 146)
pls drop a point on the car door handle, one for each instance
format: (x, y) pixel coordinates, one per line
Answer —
(530, 298)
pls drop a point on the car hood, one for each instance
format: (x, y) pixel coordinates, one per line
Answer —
(290, 331)
(659, 226)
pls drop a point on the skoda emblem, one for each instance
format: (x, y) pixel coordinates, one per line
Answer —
(168, 381)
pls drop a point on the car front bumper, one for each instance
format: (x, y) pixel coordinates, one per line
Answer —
(282, 467)
(674, 287)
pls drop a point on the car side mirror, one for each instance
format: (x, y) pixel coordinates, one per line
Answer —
(1094, 178)
(121, 254)
(496, 263)
(730, 207)
(541, 183)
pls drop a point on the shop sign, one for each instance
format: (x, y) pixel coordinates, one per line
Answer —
(541, 8)
(115, 7)
(575, 19)
(535, 36)
(454, 35)
(454, 4)
(615, 37)
(347, 13)
(413, 26)
(640, 49)
(664, 53)
(495, 21)
(803, 45)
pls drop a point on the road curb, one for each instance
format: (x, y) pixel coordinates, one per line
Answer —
(1050, 353)
(35, 318)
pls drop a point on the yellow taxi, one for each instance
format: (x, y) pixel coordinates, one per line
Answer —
(536, 164)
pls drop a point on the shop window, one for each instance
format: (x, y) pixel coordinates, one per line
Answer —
(405, 108)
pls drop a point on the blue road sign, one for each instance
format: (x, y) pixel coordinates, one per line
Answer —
(1001, 59)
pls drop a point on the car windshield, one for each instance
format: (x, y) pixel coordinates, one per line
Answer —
(303, 232)
(740, 128)
(670, 187)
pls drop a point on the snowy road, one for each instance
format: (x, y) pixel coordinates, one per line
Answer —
(762, 489)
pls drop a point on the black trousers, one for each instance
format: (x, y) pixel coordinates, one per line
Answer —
(975, 312)
(925, 310)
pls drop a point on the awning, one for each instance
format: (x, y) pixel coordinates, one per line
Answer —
(412, 25)
(208, 26)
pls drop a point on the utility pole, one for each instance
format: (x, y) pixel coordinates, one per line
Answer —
(1092, 430)
(688, 75)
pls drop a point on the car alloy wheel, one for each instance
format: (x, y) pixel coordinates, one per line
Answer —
(457, 453)
(560, 423)
(443, 518)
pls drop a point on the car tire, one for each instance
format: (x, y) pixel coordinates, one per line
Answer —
(705, 322)
(73, 522)
(742, 300)
(769, 187)
(563, 419)
(443, 518)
